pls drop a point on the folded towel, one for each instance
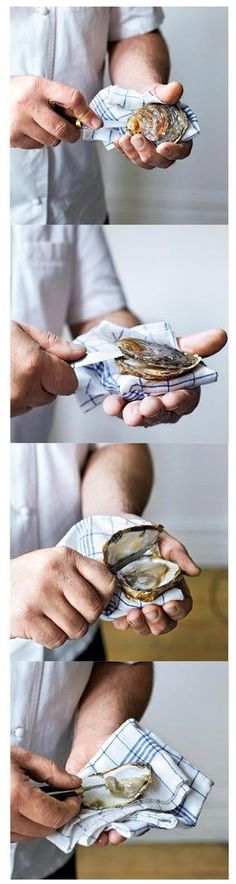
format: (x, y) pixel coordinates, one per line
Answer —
(98, 374)
(115, 105)
(88, 537)
(176, 795)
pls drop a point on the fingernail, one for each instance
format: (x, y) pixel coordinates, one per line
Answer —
(152, 615)
(79, 347)
(95, 123)
(166, 150)
(172, 609)
(138, 141)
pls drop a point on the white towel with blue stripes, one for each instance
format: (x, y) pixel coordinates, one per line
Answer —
(88, 537)
(98, 374)
(175, 796)
(115, 105)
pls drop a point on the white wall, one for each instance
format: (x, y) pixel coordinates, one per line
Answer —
(190, 498)
(179, 274)
(194, 191)
(188, 709)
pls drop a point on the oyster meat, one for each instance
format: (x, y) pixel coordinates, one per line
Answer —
(115, 787)
(153, 361)
(134, 556)
(159, 122)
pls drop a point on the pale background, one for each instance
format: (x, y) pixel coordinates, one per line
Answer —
(194, 191)
(188, 709)
(177, 274)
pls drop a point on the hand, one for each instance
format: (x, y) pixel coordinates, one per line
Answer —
(157, 619)
(34, 123)
(57, 594)
(33, 814)
(83, 749)
(170, 407)
(144, 153)
(39, 367)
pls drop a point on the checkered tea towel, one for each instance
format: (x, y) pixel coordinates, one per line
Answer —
(175, 796)
(98, 374)
(88, 537)
(115, 105)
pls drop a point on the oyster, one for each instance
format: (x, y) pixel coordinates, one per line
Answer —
(134, 556)
(159, 122)
(115, 787)
(153, 361)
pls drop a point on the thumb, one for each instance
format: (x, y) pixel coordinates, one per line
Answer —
(170, 93)
(205, 343)
(71, 98)
(70, 352)
(45, 770)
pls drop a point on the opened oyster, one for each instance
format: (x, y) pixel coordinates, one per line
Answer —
(116, 787)
(153, 361)
(134, 556)
(159, 122)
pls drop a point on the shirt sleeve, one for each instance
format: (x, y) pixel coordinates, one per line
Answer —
(96, 288)
(130, 21)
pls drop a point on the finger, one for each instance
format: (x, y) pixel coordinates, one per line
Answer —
(147, 152)
(29, 829)
(46, 633)
(40, 134)
(70, 352)
(151, 407)
(39, 397)
(182, 401)
(37, 807)
(55, 127)
(57, 376)
(132, 415)
(174, 152)
(71, 98)
(103, 839)
(113, 405)
(97, 574)
(27, 143)
(115, 838)
(158, 620)
(121, 623)
(127, 149)
(178, 610)
(137, 621)
(170, 93)
(65, 616)
(204, 343)
(175, 551)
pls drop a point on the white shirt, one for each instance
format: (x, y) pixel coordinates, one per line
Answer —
(45, 503)
(44, 699)
(60, 274)
(67, 44)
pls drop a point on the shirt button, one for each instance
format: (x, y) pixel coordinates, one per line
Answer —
(25, 511)
(43, 10)
(37, 201)
(19, 732)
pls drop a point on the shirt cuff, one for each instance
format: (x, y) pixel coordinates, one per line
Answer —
(131, 21)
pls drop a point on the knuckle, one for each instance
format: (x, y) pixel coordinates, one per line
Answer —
(61, 131)
(76, 98)
(95, 610)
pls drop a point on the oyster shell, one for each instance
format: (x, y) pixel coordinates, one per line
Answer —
(159, 122)
(153, 361)
(134, 556)
(115, 787)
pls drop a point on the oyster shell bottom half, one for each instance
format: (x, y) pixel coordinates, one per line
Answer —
(116, 787)
(158, 122)
(133, 555)
(153, 361)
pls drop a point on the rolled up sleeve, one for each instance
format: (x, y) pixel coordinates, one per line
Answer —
(96, 286)
(131, 21)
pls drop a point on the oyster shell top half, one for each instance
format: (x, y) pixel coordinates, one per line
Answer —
(134, 556)
(153, 361)
(115, 787)
(159, 122)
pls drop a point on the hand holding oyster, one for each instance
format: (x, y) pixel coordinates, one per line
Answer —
(153, 361)
(133, 555)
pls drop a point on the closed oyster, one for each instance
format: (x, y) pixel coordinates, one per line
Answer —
(153, 361)
(115, 787)
(134, 556)
(159, 122)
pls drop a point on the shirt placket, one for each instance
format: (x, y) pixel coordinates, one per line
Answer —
(46, 32)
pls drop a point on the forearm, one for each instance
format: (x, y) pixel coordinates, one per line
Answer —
(117, 479)
(123, 317)
(115, 691)
(138, 62)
